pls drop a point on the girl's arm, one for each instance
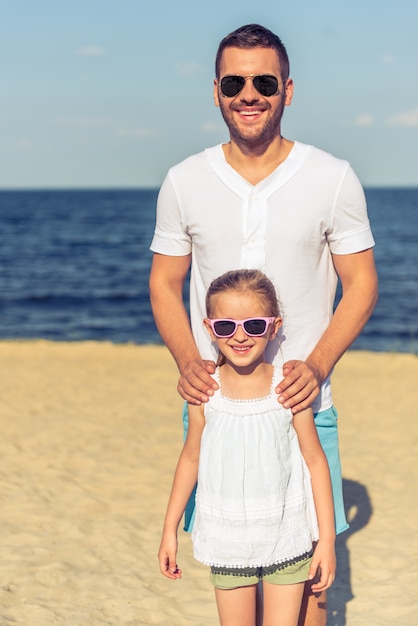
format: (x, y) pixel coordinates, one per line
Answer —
(324, 561)
(185, 479)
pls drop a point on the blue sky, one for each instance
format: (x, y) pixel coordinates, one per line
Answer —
(111, 93)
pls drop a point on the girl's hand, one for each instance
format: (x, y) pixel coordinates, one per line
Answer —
(167, 556)
(323, 566)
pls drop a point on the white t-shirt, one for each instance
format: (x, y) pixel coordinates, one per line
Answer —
(287, 225)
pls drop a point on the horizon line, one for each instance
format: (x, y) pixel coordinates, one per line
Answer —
(157, 187)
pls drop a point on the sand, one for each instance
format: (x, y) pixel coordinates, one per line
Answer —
(90, 434)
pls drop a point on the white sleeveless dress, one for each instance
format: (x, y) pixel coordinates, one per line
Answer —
(254, 502)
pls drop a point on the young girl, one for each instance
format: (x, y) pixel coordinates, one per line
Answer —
(264, 493)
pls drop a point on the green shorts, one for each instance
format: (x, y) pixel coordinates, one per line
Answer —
(232, 578)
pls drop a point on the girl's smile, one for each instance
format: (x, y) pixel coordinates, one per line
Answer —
(241, 349)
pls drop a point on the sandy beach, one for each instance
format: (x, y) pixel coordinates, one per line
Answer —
(90, 437)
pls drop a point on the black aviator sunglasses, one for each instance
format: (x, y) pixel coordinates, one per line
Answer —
(266, 84)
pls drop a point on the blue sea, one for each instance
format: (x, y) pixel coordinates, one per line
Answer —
(74, 266)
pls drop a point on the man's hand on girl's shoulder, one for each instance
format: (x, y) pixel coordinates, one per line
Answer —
(196, 384)
(300, 386)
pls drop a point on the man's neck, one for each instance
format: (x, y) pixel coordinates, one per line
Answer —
(256, 164)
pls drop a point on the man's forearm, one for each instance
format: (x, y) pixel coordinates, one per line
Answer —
(349, 319)
(166, 291)
(166, 283)
(173, 324)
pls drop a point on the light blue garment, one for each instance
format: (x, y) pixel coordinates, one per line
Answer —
(189, 513)
(326, 425)
(327, 429)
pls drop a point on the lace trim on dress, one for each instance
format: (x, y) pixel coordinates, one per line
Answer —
(252, 571)
(246, 400)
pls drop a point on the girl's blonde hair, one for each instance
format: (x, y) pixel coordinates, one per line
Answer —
(244, 281)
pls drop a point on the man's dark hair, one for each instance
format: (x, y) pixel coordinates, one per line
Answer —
(254, 36)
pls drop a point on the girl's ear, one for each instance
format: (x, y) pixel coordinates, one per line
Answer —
(208, 327)
(275, 327)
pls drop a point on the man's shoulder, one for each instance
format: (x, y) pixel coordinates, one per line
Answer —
(321, 156)
(197, 160)
(322, 166)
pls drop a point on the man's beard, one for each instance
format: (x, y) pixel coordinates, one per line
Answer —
(256, 137)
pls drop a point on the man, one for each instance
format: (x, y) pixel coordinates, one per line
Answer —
(291, 210)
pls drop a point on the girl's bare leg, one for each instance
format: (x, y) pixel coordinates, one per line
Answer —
(282, 604)
(236, 607)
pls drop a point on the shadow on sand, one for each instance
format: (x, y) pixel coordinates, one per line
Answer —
(358, 511)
